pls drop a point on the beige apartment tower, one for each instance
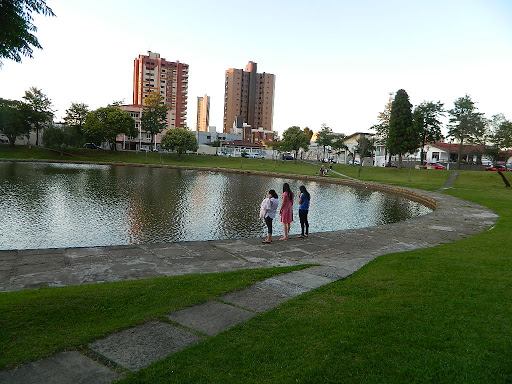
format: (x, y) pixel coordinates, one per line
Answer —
(151, 73)
(251, 95)
(203, 114)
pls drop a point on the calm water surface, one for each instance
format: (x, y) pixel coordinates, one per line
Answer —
(72, 205)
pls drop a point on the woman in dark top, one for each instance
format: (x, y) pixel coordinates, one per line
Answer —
(304, 198)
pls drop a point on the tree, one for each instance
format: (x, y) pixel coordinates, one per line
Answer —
(426, 120)
(324, 137)
(42, 112)
(365, 147)
(154, 115)
(105, 124)
(402, 138)
(16, 38)
(338, 143)
(467, 125)
(308, 132)
(14, 121)
(382, 128)
(294, 139)
(179, 140)
(75, 121)
(54, 137)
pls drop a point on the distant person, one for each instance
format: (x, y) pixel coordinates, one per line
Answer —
(286, 210)
(304, 198)
(330, 164)
(323, 171)
(268, 212)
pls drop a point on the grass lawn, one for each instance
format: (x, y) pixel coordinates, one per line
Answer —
(438, 315)
(283, 166)
(38, 323)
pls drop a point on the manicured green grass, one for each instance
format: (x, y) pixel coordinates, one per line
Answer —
(21, 152)
(439, 315)
(427, 179)
(37, 323)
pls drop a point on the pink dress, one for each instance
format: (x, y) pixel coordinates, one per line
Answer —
(287, 210)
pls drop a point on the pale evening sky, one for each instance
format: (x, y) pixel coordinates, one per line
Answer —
(335, 61)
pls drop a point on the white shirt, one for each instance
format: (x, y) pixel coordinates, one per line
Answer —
(268, 208)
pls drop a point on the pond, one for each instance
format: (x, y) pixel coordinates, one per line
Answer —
(44, 205)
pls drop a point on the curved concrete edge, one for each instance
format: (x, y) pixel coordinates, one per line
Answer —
(454, 219)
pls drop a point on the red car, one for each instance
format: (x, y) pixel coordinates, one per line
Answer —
(501, 168)
(434, 166)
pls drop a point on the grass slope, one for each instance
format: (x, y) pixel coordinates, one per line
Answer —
(439, 315)
(37, 323)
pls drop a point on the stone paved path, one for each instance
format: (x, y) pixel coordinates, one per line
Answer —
(338, 253)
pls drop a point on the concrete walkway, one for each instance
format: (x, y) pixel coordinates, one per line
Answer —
(338, 253)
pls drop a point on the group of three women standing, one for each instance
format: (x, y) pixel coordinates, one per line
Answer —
(269, 208)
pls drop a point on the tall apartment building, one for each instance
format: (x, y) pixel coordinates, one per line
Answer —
(251, 95)
(203, 113)
(152, 73)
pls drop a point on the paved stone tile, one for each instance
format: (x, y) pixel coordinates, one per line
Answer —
(256, 298)
(136, 348)
(63, 368)
(211, 317)
(326, 271)
(304, 279)
(284, 287)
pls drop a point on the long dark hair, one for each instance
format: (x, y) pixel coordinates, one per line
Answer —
(305, 192)
(286, 188)
(273, 193)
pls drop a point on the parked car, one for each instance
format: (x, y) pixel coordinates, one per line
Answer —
(288, 157)
(255, 156)
(330, 159)
(390, 164)
(3, 140)
(354, 162)
(91, 146)
(501, 168)
(225, 154)
(434, 166)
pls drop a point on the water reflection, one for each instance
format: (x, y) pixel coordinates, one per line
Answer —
(64, 205)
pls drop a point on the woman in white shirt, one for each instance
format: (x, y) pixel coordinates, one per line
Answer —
(268, 212)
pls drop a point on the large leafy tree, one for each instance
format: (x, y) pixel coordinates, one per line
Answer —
(382, 128)
(179, 140)
(499, 136)
(324, 137)
(338, 143)
(105, 124)
(427, 122)
(75, 121)
(16, 27)
(154, 115)
(308, 132)
(365, 148)
(294, 139)
(14, 119)
(402, 138)
(42, 111)
(467, 125)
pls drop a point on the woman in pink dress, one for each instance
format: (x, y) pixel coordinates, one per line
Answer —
(286, 210)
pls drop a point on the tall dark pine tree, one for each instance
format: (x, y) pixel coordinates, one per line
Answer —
(401, 138)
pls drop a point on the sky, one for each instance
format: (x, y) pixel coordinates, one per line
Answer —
(335, 61)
